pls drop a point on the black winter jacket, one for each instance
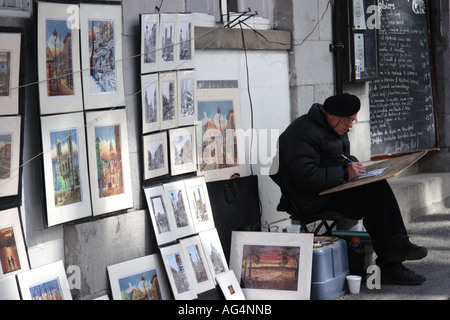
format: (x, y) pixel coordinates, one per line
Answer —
(310, 161)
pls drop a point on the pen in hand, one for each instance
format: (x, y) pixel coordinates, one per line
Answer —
(346, 158)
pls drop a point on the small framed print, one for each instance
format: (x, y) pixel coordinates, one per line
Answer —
(58, 59)
(10, 141)
(139, 279)
(179, 209)
(13, 254)
(230, 286)
(168, 88)
(179, 274)
(8, 289)
(9, 70)
(183, 158)
(150, 43)
(284, 264)
(197, 263)
(214, 253)
(151, 106)
(162, 220)
(65, 168)
(48, 282)
(156, 155)
(101, 55)
(185, 41)
(197, 194)
(187, 111)
(109, 162)
(169, 49)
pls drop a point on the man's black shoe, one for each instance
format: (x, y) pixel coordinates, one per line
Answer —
(400, 249)
(400, 275)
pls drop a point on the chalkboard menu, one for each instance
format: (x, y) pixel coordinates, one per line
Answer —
(402, 116)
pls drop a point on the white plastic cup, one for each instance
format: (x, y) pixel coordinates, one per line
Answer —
(354, 284)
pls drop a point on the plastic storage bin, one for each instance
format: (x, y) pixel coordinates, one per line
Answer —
(329, 269)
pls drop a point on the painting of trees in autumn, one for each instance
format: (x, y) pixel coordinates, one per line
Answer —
(270, 267)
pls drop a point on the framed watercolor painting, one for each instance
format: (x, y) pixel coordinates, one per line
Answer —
(150, 43)
(198, 197)
(179, 209)
(10, 146)
(180, 277)
(151, 106)
(156, 157)
(109, 162)
(196, 262)
(185, 41)
(220, 137)
(13, 254)
(101, 55)
(187, 111)
(9, 289)
(65, 168)
(183, 158)
(214, 253)
(9, 73)
(139, 279)
(272, 265)
(48, 282)
(58, 59)
(163, 222)
(168, 88)
(169, 50)
(230, 286)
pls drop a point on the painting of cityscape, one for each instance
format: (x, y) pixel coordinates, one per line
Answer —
(5, 72)
(50, 290)
(59, 58)
(218, 139)
(5, 155)
(178, 272)
(186, 36)
(109, 160)
(9, 256)
(187, 105)
(270, 267)
(65, 167)
(102, 58)
(141, 286)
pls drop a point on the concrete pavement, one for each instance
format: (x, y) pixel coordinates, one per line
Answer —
(433, 232)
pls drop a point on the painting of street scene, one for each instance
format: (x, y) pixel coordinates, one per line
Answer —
(65, 167)
(178, 272)
(50, 290)
(109, 160)
(5, 72)
(9, 256)
(187, 97)
(5, 156)
(168, 41)
(150, 34)
(182, 149)
(59, 58)
(161, 219)
(102, 56)
(270, 267)
(199, 203)
(168, 100)
(218, 139)
(197, 263)
(155, 155)
(140, 286)
(179, 208)
(185, 40)
(150, 103)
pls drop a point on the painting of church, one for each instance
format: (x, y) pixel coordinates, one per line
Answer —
(109, 160)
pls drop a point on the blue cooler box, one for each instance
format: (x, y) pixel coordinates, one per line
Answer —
(329, 271)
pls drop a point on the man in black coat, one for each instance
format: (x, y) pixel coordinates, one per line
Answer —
(312, 155)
